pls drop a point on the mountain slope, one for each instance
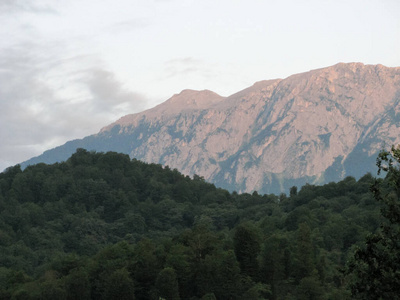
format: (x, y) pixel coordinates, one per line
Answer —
(312, 127)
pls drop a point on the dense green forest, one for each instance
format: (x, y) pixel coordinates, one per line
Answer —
(102, 226)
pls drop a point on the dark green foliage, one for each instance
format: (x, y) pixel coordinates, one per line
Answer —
(310, 288)
(219, 273)
(275, 262)
(53, 288)
(108, 265)
(119, 286)
(375, 269)
(145, 267)
(102, 226)
(167, 284)
(247, 247)
(77, 284)
(304, 254)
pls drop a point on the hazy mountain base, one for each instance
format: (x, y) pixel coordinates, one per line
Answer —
(358, 163)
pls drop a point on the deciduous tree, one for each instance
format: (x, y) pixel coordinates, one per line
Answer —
(375, 268)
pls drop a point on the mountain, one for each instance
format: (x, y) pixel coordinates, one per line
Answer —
(313, 127)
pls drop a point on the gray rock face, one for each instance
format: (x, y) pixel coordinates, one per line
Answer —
(312, 127)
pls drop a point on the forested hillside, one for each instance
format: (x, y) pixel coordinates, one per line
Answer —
(102, 226)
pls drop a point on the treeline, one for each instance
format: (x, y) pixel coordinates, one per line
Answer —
(102, 226)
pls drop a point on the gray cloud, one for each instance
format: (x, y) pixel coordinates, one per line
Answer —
(35, 116)
(108, 93)
(15, 6)
(19, 119)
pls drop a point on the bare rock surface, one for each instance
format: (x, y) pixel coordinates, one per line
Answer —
(311, 127)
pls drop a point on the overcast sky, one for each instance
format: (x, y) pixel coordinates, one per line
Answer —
(70, 67)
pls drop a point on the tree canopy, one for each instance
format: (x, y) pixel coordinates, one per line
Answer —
(375, 267)
(105, 227)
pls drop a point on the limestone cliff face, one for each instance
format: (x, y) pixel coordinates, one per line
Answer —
(312, 127)
(274, 132)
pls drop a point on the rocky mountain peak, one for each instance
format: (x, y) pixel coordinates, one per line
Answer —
(188, 100)
(311, 127)
(184, 102)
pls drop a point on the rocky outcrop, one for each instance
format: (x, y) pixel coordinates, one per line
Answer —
(312, 127)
